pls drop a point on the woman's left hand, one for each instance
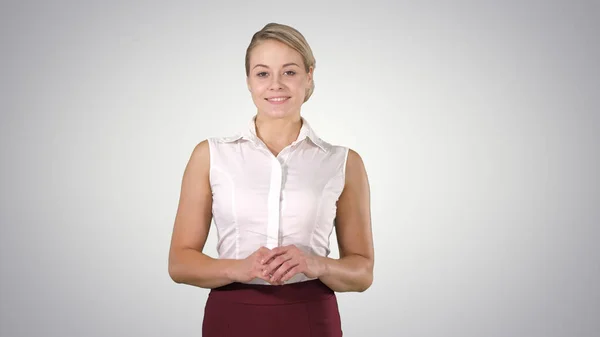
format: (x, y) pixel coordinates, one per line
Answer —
(285, 262)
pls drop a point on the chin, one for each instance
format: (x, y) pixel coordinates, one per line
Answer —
(276, 112)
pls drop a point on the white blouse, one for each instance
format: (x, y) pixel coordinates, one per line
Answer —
(260, 199)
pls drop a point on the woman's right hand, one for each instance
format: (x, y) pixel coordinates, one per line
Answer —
(245, 270)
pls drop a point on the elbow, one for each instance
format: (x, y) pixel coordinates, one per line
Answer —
(174, 269)
(173, 274)
(366, 282)
(367, 279)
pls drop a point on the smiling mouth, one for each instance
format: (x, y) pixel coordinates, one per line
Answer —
(277, 99)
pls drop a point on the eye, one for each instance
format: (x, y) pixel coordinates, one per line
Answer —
(262, 74)
(290, 73)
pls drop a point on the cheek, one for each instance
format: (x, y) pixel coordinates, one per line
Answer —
(258, 88)
(298, 84)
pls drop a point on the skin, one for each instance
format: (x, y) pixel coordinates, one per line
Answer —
(275, 71)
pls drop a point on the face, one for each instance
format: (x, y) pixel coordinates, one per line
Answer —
(277, 79)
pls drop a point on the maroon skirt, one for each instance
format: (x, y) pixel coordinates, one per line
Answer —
(303, 309)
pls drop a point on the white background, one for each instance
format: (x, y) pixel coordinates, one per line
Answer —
(478, 123)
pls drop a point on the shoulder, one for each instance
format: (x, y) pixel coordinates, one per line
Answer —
(202, 149)
(351, 157)
(331, 149)
(350, 163)
(355, 170)
(211, 143)
(200, 156)
(354, 160)
(196, 172)
(225, 139)
(348, 158)
(212, 148)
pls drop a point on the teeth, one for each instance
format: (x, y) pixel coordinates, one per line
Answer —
(278, 99)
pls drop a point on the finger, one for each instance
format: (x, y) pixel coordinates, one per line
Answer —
(276, 274)
(264, 273)
(267, 258)
(261, 275)
(270, 268)
(283, 269)
(277, 261)
(269, 255)
(290, 273)
(267, 273)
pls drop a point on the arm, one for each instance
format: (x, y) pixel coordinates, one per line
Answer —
(353, 271)
(187, 263)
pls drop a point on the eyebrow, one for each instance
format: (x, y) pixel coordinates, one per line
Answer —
(285, 65)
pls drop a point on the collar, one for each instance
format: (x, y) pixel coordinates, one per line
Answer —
(306, 132)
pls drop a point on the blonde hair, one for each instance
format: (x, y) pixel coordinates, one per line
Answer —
(290, 37)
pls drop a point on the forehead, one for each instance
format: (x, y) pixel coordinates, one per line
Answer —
(273, 53)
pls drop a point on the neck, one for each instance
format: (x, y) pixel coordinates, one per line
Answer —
(277, 133)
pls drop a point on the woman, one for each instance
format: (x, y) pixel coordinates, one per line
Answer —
(275, 192)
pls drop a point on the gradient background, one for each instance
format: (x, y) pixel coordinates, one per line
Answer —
(478, 122)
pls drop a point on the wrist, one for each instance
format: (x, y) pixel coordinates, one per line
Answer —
(230, 271)
(325, 266)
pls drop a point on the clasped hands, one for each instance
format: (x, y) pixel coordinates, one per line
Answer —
(280, 264)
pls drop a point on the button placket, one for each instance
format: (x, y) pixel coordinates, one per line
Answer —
(275, 193)
(274, 204)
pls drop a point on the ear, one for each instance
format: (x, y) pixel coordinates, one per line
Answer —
(248, 84)
(310, 74)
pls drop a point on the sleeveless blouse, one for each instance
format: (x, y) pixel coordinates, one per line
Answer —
(260, 199)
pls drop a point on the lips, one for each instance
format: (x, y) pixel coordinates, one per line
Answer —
(277, 100)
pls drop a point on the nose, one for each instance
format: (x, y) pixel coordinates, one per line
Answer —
(275, 82)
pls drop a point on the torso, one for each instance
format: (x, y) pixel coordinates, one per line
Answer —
(262, 199)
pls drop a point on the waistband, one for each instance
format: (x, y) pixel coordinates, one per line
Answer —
(306, 291)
